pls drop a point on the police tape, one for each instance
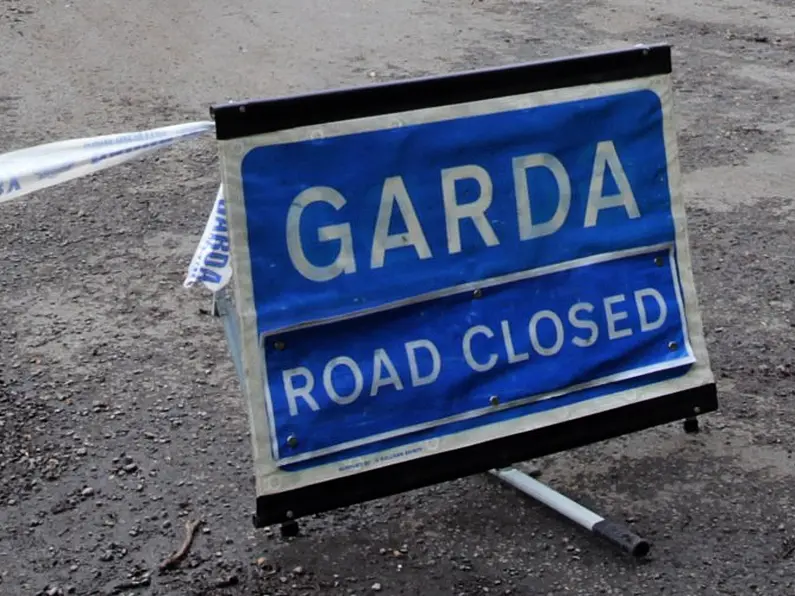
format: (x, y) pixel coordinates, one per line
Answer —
(29, 170)
(211, 265)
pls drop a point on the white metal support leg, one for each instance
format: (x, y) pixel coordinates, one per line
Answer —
(616, 534)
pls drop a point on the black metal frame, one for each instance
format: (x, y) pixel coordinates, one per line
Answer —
(243, 119)
(450, 465)
(238, 120)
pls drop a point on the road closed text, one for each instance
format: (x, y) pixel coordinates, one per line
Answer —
(435, 360)
(482, 347)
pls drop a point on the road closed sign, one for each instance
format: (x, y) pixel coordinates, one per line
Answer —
(440, 276)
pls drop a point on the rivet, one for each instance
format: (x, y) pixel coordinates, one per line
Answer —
(477, 293)
(494, 400)
(659, 261)
(242, 108)
(697, 410)
(292, 440)
(289, 515)
(673, 345)
(279, 345)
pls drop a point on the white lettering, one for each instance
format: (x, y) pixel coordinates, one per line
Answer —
(9, 186)
(583, 324)
(470, 359)
(395, 193)
(475, 210)
(527, 229)
(411, 354)
(614, 317)
(381, 360)
(645, 325)
(345, 261)
(534, 321)
(606, 155)
(513, 357)
(294, 392)
(357, 377)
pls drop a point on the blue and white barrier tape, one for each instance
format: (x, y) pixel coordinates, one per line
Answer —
(28, 170)
(212, 264)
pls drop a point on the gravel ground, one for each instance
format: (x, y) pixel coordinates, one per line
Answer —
(120, 415)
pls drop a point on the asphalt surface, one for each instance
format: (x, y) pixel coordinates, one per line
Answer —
(120, 415)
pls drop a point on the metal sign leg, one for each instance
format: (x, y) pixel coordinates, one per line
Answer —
(214, 311)
(289, 529)
(616, 534)
(691, 425)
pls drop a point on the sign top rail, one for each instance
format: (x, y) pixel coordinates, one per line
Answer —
(243, 119)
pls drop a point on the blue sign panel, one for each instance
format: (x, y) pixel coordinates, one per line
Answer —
(474, 352)
(434, 276)
(356, 221)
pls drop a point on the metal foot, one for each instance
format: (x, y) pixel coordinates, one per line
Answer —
(691, 425)
(290, 529)
(618, 535)
(214, 311)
